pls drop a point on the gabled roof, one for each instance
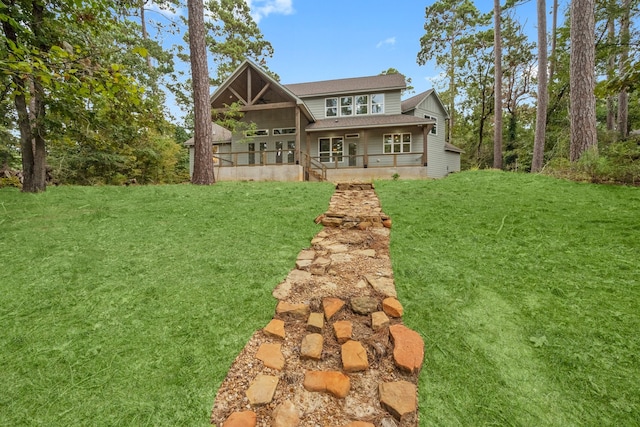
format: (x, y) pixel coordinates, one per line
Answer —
(452, 148)
(357, 84)
(367, 122)
(253, 82)
(411, 103)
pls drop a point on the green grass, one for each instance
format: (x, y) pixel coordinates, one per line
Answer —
(126, 306)
(526, 290)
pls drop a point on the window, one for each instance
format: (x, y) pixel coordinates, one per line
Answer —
(362, 104)
(291, 151)
(396, 143)
(256, 132)
(284, 131)
(263, 154)
(377, 103)
(279, 146)
(331, 107)
(346, 105)
(252, 153)
(330, 149)
(435, 126)
(291, 154)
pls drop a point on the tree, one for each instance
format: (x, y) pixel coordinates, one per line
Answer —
(409, 89)
(582, 78)
(497, 128)
(447, 23)
(623, 96)
(203, 155)
(543, 94)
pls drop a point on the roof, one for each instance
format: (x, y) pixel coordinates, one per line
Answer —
(411, 103)
(219, 135)
(453, 148)
(355, 84)
(377, 121)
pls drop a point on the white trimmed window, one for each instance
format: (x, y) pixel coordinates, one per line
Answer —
(396, 143)
(330, 149)
(362, 104)
(256, 132)
(331, 107)
(284, 131)
(434, 130)
(377, 103)
(346, 105)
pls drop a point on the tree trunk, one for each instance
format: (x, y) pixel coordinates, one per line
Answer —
(554, 36)
(582, 78)
(452, 93)
(497, 114)
(203, 155)
(543, 94)
(611, 69)
(31, 123)
(623, 96)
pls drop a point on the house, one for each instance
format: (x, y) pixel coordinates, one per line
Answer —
(335, 130)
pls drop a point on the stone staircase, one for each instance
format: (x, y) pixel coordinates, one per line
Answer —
(336, 352)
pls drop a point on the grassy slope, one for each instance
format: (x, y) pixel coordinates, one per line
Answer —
(527, 291)
(126, 306)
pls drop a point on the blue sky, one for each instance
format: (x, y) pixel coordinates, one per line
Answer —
(330, 39)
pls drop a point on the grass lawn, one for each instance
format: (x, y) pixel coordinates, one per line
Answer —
(126, 306)
(527, 292)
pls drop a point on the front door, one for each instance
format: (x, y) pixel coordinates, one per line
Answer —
(353, 151)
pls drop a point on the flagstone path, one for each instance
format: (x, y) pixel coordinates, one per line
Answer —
(336, 352)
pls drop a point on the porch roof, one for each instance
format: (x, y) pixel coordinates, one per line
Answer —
(367, 122)
(452, 148)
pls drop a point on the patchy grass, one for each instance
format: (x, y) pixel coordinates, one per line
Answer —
(527, 292)
(126, 306)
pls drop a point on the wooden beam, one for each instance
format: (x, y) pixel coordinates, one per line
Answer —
(425, 136)
(249, 85)
(257, 107)
(298, 135)
(259, 95)
(241, 99)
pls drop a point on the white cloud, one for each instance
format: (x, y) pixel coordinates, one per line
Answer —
(390, 41)
(263, 8)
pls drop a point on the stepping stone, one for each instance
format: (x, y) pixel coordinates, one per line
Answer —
(299, 311)
(335, 383)
(379, 320)
(392, 307)
(359, 424)
(301, 264)
(343, 330)
(307, 254)
(399, 398)
(319, 266)
(262, 389)
(275, 328)
(241, 419)
(338, 248)
(315, 322)
(354, 357)
(408, 348)
(364, 305)
(286, 415)
(271, 355)
(311, 347)
(371, 253)
(384, 285)
(331, 306)
(298, 276)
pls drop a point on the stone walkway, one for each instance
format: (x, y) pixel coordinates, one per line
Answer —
(336, 352)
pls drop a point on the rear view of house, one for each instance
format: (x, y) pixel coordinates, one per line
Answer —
(335, 130)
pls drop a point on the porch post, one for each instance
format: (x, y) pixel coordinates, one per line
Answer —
(425, 132)
(298, 135)
(365, 135)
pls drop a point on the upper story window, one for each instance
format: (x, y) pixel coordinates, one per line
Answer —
(331, 107)
(284, 131)
(434, 130)
(346, 105)
(362, 104)
(354, 105)
(256, 132)
(377, 103)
